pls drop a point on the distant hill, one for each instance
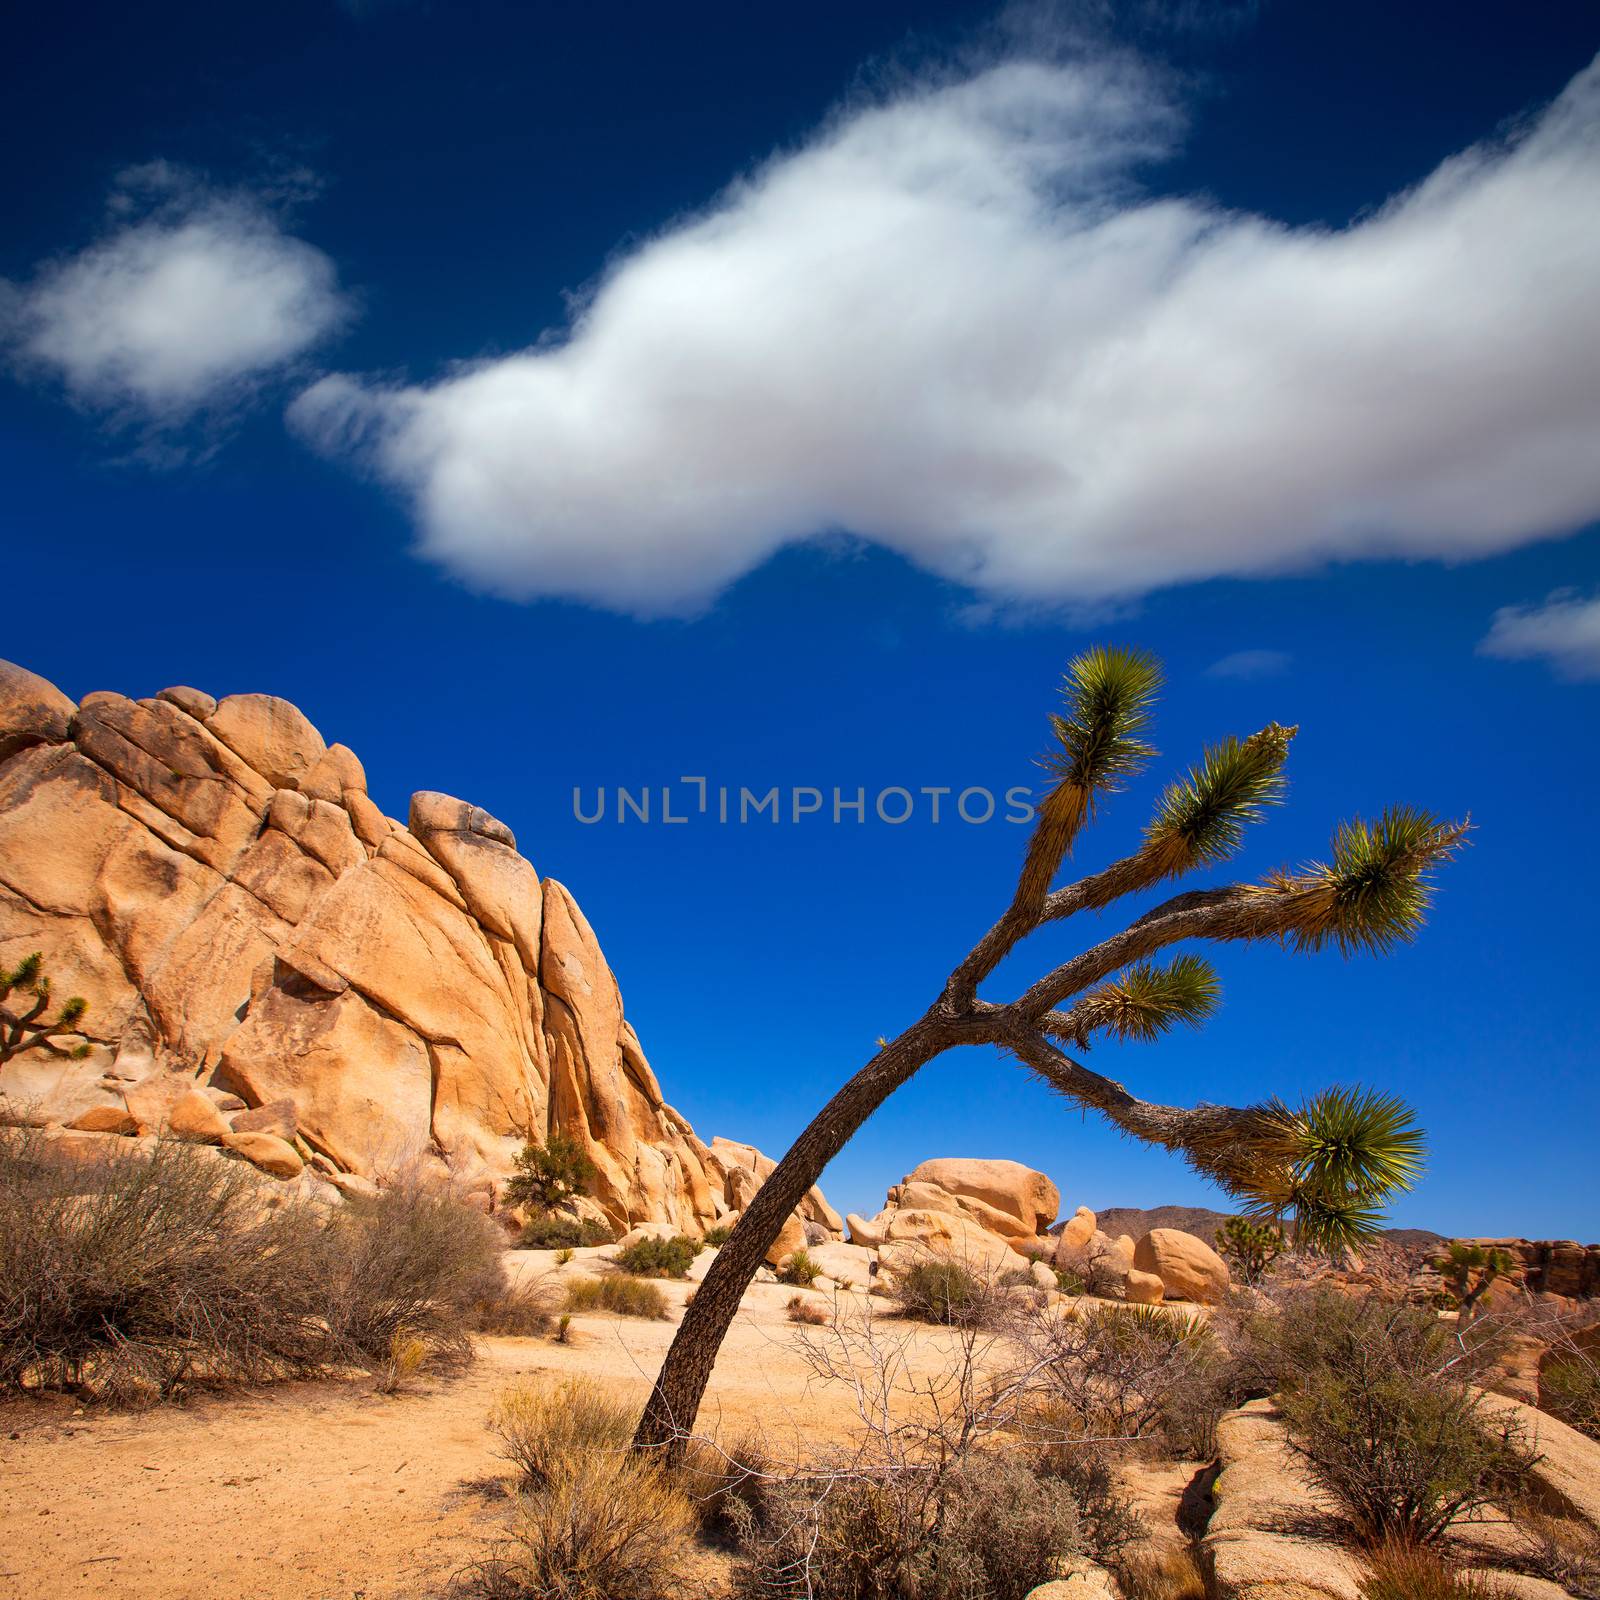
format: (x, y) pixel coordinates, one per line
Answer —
(1203, 1224)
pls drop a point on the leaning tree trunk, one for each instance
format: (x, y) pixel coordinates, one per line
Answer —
(674, 1402)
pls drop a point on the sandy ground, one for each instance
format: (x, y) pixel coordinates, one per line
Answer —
(330, 1491)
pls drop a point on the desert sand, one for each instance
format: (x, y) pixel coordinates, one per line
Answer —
(332, 1491)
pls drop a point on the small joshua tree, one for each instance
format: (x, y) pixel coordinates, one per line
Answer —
(1468, 1270)
(1249, 1247)
(549, 1174)
(24, 1027)
(1330, 1163)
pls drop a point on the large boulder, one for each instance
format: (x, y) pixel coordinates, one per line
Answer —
(1262, 1541)
(1027, 1197)
(1189, 1269)
(244, 921)
(916, 1235)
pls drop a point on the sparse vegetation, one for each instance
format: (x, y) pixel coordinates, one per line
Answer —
(541, 1426)
(152, 1270)
(524, 1311)
(718, 1235)
(800, 1309)
(1167, 1574)
(592, 1522)
(1378, 1409)
(410, 1262)
(624, 1296)
(407, 1357)
(1133, 1372)
(659, 1258)
(943, 1291)
(1405, 1572)
(549, 1174)
(1569, 1388)
(1469, 1271)
(135, 1276)
(551, 1231)
(799, 1270)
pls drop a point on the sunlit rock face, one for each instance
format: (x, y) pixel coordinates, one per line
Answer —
(245, 923)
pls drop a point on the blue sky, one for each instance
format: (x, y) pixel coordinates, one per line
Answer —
(419, 364)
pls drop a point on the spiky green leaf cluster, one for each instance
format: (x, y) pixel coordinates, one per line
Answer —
(1201, 818)
(22, 976)
(1145, 1000)
(1376, 892)
(1108, 694)
(1334, 1162)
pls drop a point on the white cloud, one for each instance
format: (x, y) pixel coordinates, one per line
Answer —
(948, 324)
(188, 300)
(1565, 631)
(1250, 664)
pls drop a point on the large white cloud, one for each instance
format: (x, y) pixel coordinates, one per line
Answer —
(187, 301)
(1565, 631)
(950, 325)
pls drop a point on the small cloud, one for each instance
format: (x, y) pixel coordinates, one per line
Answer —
(1250, 664)
(189, 300)
(1565, 631)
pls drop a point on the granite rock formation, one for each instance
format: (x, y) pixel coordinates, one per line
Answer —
(254, 935)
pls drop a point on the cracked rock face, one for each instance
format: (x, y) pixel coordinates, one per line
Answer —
(243, 920)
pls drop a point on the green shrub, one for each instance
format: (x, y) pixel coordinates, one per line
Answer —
(943, 1292)
(659, 1258)
(1378, 1411)
(718, 1236)
(800, 1271)
(1068, 1281)
(625, 1296)
(549, 1174)
(551, 1231)
(1569, 1388)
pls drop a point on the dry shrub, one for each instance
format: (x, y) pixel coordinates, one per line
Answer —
(625, 1296)
(807, 1311)
(407, 1357)
(592, 1521)
(1166, 1574)
(524, 1311)
(1133, 1372)
(1108, 1518)
(944, 1292)
(1380, 1415)
(414, 1262)
(1406, 1572)
(986, 1527)
(659, 1258)
(542, 1427)
(605, 1526)
(149, 1269)
(729, 1487)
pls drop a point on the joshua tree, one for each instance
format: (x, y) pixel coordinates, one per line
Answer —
(1330, 1162)
(1250, 1247)
(1468, 1271)
(25, 1028)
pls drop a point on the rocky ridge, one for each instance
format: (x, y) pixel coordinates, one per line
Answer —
(274, 966)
